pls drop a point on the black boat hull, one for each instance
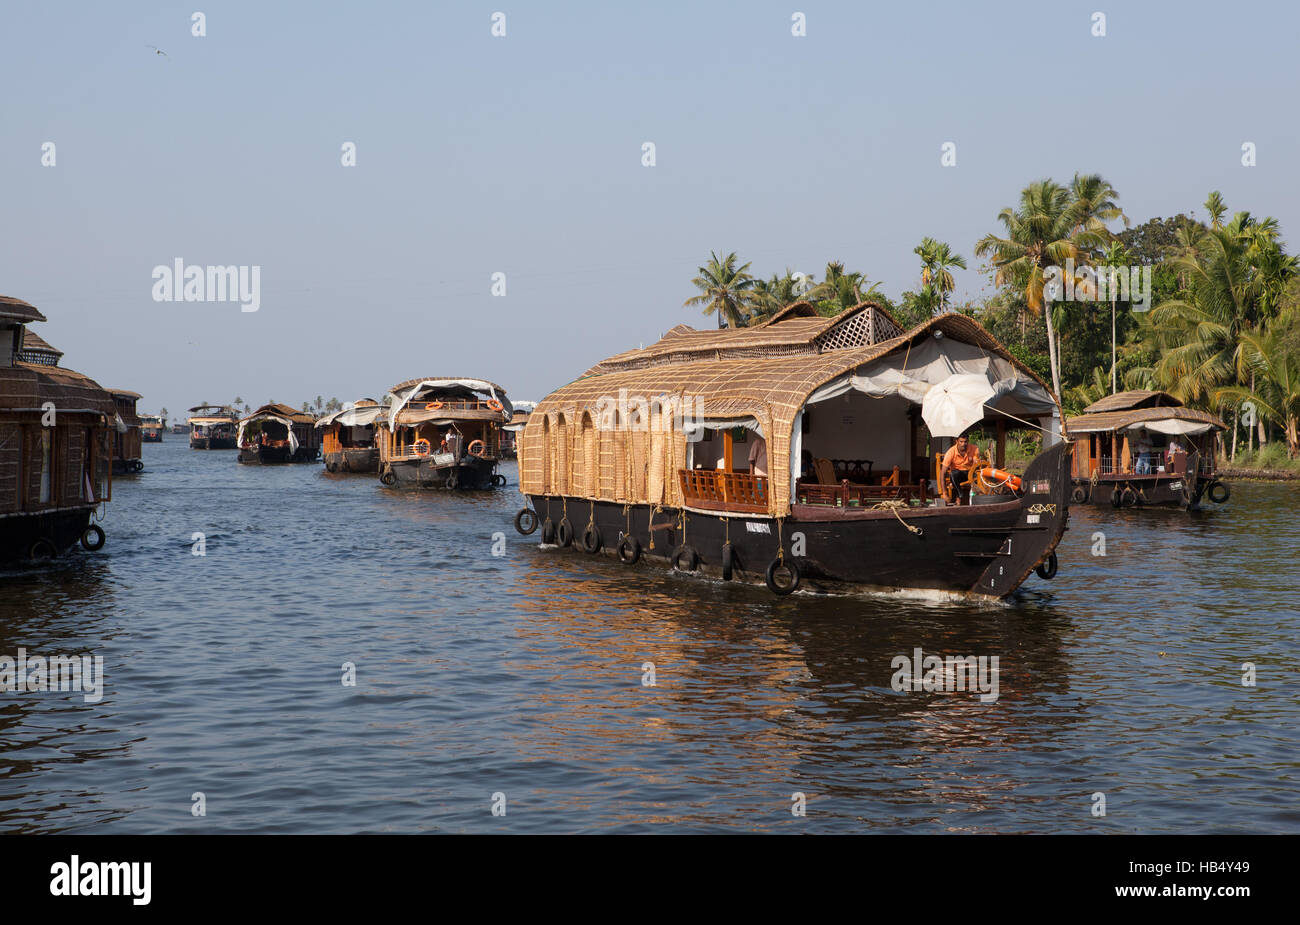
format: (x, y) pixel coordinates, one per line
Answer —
(979, 551)
(469, 474)
(277, 455)
(212, 443)
(364, 459)
(62, 529)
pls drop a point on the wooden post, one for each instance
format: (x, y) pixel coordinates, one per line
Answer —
(726, 450)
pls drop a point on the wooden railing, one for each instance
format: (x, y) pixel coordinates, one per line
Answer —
(716, 490)
(849, 494)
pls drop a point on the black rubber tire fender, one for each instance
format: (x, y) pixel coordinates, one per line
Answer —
(526, 521)
(688, 553)
(1213, 492)
(591, 539)
(1046, 569)
(564, 533)
(728, 561)
(629, 549)
(388, 478)
(1116, 499)
(1080, 495)
(548, 532)
(42, 549)
(780, 565)
(97, 532)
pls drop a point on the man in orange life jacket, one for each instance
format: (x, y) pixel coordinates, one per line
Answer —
(961, 457)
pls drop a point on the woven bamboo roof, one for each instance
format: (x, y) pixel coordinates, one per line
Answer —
(283, 411)
(1134, 398)
(12, 309)
(30, 385)
(35, 343)
(126, 393)
(796, 329)
(1106, 421)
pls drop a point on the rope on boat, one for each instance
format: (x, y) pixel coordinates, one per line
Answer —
(893, 506)
(655, 510)
(780, 541)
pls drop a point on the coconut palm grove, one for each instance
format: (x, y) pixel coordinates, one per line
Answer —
(1219, 328)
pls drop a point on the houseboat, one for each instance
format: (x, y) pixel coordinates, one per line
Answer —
(212, 427)
(128, 454)
(348, 437)
(180, 428)
(56, 452)
(1146, 449)
(151, 428)
(801, 451)
(510, 432)
(443, 433)
(276, 433)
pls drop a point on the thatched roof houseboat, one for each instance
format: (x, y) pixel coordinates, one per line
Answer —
(276, 433)
(443, 433)
(1146, 449)
(151, 428)
(800, 449)
(348, 437)
(128, 453)
(213, 427)
(56, 429)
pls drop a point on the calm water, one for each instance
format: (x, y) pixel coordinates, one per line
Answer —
(522, 674)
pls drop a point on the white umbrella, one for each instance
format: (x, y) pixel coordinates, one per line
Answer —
(952, 406)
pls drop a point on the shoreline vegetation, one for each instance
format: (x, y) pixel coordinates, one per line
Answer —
(1208, 311)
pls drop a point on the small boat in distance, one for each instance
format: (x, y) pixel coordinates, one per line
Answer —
(276, 433)
(1145, 449)
(127, 453)
(442, 433)
(151, 428)
(212, 427)
(180, 428)
(54, 469)
(348, 437)
(802, 449)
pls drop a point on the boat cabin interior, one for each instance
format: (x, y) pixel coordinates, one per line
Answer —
(444, 418)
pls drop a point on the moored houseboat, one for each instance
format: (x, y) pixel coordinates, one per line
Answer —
(1146, 449)
(801, 451)
(213, 427)
(276, 433)
(348, 437)
(151, 428)
(56, 430)
(128, 454)
(180, 428)
(443, 433)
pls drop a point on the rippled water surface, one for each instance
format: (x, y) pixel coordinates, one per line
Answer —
(521, 674)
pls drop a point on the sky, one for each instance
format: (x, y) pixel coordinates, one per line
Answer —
(522, 155)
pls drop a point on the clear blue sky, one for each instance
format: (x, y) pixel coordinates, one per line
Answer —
(523, 155)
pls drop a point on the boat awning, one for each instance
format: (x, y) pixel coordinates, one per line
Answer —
(364, 416)
(288, 425)
(1174, 427)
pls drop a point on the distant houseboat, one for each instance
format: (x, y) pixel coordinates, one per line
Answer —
(180, 428)
(151, 428)
(443, 433)
(799, 450)
(348, 437)
(1145, 449)
(510, 432)
(56, 453)
(212, 427)
(278, 434)
(128, 456)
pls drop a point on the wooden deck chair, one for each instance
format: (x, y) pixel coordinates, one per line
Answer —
(945, 486)
(825, 471)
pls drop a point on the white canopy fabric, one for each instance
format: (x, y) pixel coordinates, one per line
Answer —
(352, 416)
(400, 400)
(912, 373)
(118, 424)
(1174, 427)
(293, 440)
(957, 403)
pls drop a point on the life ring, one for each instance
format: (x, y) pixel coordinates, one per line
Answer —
(389, 477)
(1219, 492)
(1079, 495)
(482, 447)
(1047, 568)
(496, 405)
(728, 560)
(42, 549)
(591, 539)
(782, 565)
(629, 549)
(526, 521)
(96, 531)
(1001, 476)
(432, 406)
(422, 447)
(688, 554)
(564, 533)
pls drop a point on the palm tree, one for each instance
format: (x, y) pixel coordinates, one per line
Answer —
(1272, 356)
(1115, 255)
(725, 289)
(937, 261)
(772, 295)
(1214, 205)
(840, 290)
(238, 401)
(1093, 201)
